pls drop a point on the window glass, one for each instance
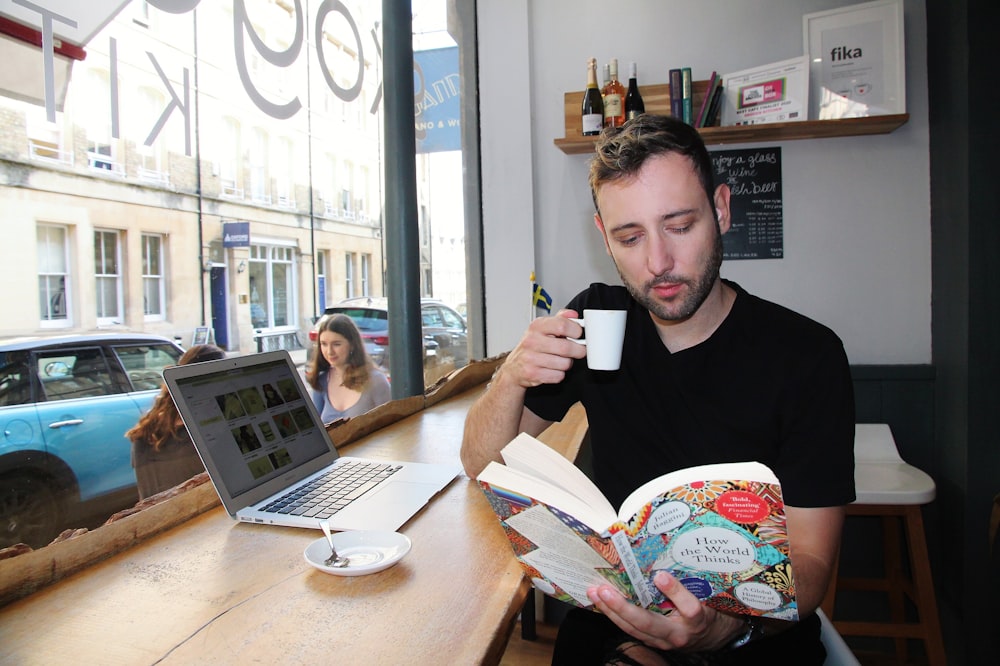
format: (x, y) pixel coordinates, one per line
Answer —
(106, 261)
(153, 283)
(53, 277)
(67, 374)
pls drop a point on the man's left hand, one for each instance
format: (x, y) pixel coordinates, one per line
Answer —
(691, 627)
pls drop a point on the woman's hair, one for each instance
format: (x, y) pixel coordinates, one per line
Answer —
(622, 151)
(162, 422)
(358, 367)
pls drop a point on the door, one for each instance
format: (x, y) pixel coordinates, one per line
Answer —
(217, 288)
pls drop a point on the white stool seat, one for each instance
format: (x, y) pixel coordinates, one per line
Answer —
(892, 491)
(880, 474)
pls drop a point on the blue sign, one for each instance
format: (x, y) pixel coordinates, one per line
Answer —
(235, 234)
(437, 100)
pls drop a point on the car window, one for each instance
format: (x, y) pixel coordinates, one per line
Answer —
(144, 364)
(364, 318)
(451, 320)
(73, 373)
(432, 317)
(15, 380)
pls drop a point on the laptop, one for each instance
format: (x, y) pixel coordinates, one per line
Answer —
(266, 450)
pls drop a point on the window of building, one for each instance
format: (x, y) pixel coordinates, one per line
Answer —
(53, 275)
(366, 260)
(151, 104)
(349, 275)
(229, 159)
(258, 167)
(107, 264)
(153, 282)
(272, 285)
(322, 261)
(284, 172)
(45, 138)
(96, 120)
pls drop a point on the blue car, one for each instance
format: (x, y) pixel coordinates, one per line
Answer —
(65, 404)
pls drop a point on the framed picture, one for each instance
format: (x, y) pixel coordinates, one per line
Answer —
(773, 93)
(857, 63)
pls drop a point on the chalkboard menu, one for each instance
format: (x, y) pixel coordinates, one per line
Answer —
(754, 179)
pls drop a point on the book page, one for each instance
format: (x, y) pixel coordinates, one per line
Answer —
(531, 456)
(561, 556)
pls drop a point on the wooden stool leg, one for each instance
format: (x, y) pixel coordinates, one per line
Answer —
(924, 586)
(895, 582)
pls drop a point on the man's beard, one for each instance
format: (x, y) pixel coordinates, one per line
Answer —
(698, 289)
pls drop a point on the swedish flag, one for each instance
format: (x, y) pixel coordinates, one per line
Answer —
(540, 298)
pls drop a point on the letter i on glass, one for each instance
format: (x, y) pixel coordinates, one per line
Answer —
(592, 113)
(633, 99)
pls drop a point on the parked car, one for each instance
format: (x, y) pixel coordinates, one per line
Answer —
(65, 404)
(445, 332)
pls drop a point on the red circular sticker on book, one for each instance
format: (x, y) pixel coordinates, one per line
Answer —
(741, 506)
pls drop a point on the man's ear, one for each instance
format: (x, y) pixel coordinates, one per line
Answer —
(721, 202)
(599, 223)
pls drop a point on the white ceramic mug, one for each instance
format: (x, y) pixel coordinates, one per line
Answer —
(605, 335)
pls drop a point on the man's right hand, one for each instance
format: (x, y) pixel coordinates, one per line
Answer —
(542, 356)
(545, 352)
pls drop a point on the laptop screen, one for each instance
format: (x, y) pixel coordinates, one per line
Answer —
(252, 420)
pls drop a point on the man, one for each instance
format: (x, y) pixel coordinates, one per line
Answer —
(709, 374)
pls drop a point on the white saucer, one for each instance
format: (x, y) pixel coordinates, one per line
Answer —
(368, 550)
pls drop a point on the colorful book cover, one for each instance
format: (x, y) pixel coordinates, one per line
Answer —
(725, 541)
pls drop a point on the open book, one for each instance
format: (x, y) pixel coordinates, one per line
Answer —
(719, 529)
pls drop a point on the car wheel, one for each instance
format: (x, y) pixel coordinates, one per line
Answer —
(29, 511)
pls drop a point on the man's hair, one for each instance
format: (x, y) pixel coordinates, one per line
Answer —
(622, 151)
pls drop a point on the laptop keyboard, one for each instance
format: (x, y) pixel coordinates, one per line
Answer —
(330, 492)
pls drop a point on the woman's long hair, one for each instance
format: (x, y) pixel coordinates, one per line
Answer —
(359, 365)
(162, 422)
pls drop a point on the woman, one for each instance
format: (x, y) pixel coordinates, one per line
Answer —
(162, 453)
(344, 379)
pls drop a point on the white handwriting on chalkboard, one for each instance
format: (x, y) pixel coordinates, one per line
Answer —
(740, 189)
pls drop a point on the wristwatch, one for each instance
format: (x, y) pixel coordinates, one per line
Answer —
(754, 630)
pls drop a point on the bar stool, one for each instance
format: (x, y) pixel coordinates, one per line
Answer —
(889, 488)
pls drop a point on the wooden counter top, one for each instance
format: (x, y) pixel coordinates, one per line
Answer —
(213, 590)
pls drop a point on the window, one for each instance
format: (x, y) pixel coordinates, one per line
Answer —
(272, 285)
(322, 260)
(349, 275)
(96, 118)
(107, 260)
(150, 105)
(258, 167)
(229, 159)
(53, 275)
(284, 171)
(44, 137)
(366, 260)
(153, 283)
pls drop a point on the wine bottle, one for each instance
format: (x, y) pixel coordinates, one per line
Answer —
(633, 100)
(614, 99)
(606, 78)
(592, 113)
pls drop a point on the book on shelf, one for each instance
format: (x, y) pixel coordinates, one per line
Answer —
(687, 101)
(699, 120)
(676, 93)
(719, 529)
(715, 106)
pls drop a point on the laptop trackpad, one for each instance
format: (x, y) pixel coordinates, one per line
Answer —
(386, 508)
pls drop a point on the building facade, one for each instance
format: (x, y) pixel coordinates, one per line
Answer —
(211, 169)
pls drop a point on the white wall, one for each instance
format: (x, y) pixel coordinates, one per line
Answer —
(856, 209)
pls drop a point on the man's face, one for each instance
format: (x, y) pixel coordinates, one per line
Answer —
(660, 230)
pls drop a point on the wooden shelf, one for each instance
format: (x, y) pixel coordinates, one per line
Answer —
(657, 100)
